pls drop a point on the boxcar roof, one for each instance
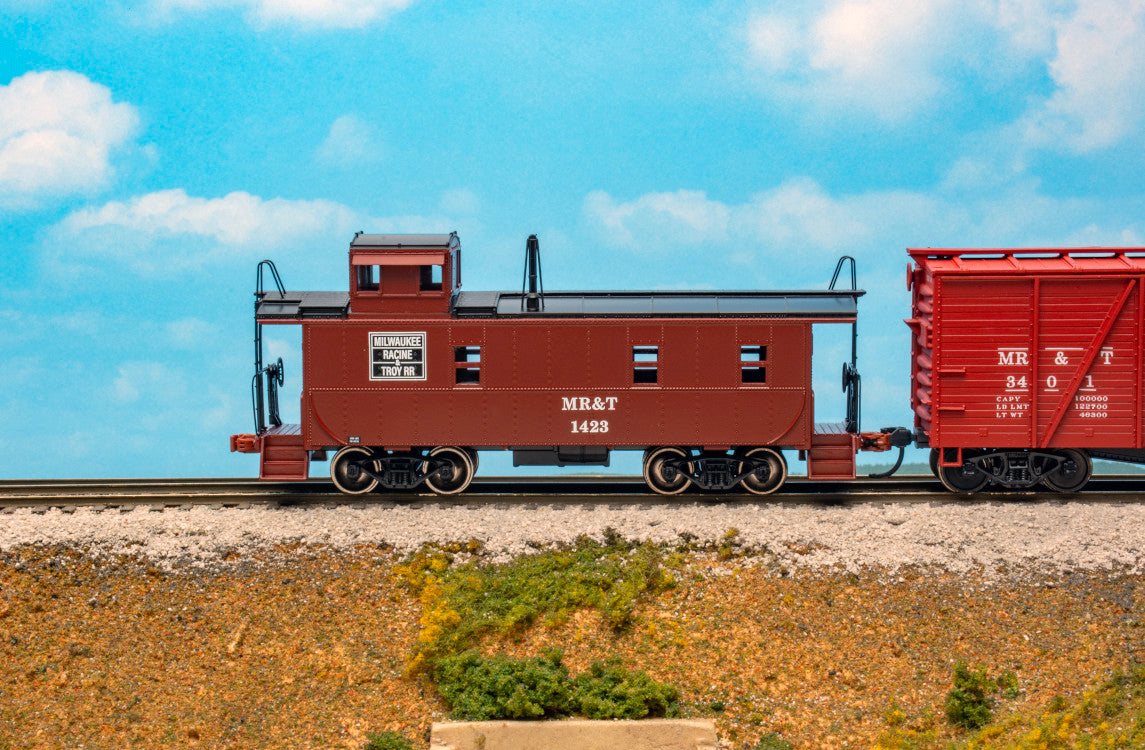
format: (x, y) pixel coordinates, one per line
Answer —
(1033, 260)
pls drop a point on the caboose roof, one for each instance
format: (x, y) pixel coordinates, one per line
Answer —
(402, 241)
(840, 304)
(299, 305)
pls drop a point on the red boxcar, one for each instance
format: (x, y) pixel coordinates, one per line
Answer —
(406, 377)
(1026, 363)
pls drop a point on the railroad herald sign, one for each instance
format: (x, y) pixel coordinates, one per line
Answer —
(397, 355)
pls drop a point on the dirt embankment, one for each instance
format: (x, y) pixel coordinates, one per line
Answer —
(305, 647)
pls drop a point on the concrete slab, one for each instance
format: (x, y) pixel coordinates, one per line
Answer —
(575, 734)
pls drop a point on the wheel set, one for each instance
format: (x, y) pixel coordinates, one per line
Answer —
(1065, 470)
(446, 470)
(672, 470)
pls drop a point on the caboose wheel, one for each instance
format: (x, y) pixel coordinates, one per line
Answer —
(965, 478)
(661, 475)
(768, 475)
(934, 461)
(453, 475)
(346, 471)
(1071, 474)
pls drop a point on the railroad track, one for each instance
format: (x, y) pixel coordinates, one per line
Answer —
(125, 493)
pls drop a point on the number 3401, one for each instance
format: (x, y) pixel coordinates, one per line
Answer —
(593, 425)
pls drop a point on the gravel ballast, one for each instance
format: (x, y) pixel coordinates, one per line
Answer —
(1013, 536)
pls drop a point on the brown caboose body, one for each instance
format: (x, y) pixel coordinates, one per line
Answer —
(406, 377)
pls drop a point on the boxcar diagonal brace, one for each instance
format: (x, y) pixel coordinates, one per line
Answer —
(1087, 362)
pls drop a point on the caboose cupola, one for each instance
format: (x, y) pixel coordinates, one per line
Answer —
(404, 273)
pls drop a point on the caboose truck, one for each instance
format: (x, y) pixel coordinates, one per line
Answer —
(1027, 363)
(405, 377)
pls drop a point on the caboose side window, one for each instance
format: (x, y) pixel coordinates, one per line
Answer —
(431, 278)
(753, 364)
(467, 364)
(369, 278)
(645, 364)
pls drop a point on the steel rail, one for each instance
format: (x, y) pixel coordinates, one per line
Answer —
(572, 489)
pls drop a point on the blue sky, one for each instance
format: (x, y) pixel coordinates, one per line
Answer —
(152, 152)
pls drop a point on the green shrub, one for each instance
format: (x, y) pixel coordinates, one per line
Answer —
(480, 688)
(461, 604)
(772, 741)
(968, 704)
(387, 741)
(1008, 685)
(484, 688)
(609, 691)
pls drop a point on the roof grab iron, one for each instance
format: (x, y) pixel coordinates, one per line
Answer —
(839, 268)
(259, 291)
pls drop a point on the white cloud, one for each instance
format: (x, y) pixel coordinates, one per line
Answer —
(58, 130)
(879, 51)
(1028, 25)
(221, 410)
(155, 382)
(800, 213)
(777, 42)
(335, 14)
(656, 220)
(170, 230)
(1097, 69)
(351, 141)
(895, 60)
(883, 56)
(800, 220)
(797, 214)
(189, 333)
(277, 347)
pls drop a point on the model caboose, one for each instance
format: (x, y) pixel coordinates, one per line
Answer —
(406, 377)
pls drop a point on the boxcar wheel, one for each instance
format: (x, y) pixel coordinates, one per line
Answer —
(661, 476)
(454, 475)
(965, 478)
(347, 474)
(769, 476)
(1071, 474)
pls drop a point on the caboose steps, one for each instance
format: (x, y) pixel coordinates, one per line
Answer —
(282, 456)
(832, 454)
